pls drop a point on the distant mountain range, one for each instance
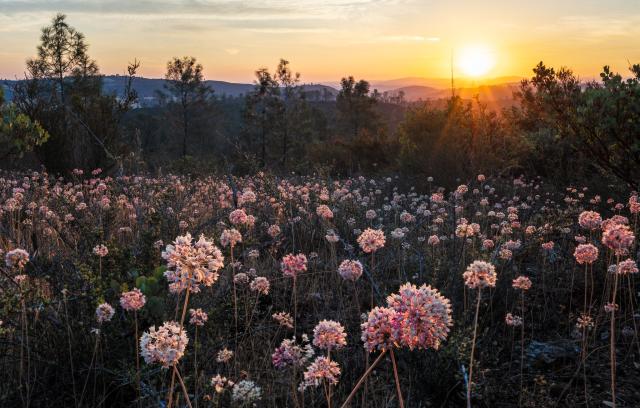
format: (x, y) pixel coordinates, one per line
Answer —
(495, 91)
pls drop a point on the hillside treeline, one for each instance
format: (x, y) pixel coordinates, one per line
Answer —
(559, 127)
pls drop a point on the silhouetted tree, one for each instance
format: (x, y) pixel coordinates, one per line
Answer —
(355, 106)
(185, 82)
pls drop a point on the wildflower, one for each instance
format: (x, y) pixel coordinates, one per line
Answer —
(626, 267)
(480, 275)
(488, 244)
(322, 369)
(284, 319)
(224, 356)
(397, 233)
(378, 331)
(291, 354)
(522, 283)
(617, 237)
(238, 217)
(220, 383)
(104, 312)
(406, 217)
(324, 212)
(584, 321)
(371, 240)
(585, 254)
(292, 265)
(332, 237)
(273, 231)
(350, 270)
(512, 320)
(370, 214)
(241, 278)
(246, 392)
(329, 335)
(260, 285)
(548, 246)
(132, 300)
(230, 237)
(198, 317)
(423, 316)
(590, 220)
(192, 264)
(164, 345)
(17, 258)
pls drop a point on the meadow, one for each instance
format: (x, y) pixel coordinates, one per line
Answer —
(308, 291)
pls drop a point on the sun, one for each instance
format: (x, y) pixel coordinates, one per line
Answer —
(475, 61)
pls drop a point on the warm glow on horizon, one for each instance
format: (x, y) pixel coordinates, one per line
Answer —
(475, 61)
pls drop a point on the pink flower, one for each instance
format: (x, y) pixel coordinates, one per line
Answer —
(378, 331)
(260, 285)
(371, 240)
(17, 258)
(350, 270)
(238, 217)
(480, 275)
(292, 265)
(230, 237)
(548, 246)
(101, 250)
(522, 283)
(132, 300)
(590, 220)
(224, 356)
(289, 353)
(104, 313)
(165, 345)
(433, 240)
(192, 264)
(626, 267)
(586, 254)
(617, 237)
(198, 317)
(324, 212)
(512, 320)
(322, 369)
(284, 319)
(329, 335)
(423, 316)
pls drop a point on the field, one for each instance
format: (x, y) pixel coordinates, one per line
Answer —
(309, 291)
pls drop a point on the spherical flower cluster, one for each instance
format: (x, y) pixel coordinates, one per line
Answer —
(104, 313)
(397, 233)
(164, 345)
(329, 335)
(324, 212)
(479, 275)
(586, 254)
(590, 220)
(618, 237)
(433, 240)
(487, 244)
(241, 278)
(371, 240)
(292, 265)
(289, 353)
(464, 230)
(512, 320)
(220, 383)
(350, 270)
(192, 264)
(260, 285)
(422, 316)
(284, 319)
(626, 267)
(548, 246)
(16, 258)
(273, 230)
(406, 217)
(322, 369)
(370, 214)
(378, 331)
(634, 205)
(100, 250)
(238, 217)
(198, 317)
(132, 300)
(246, 392)
(224, 356)
(522, 283)
(230, 237)
(584, 321)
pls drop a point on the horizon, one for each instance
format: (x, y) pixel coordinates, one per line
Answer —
(371, 39)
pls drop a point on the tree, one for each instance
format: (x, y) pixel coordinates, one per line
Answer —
(185, 82)
(355, 106)
(62, 92)
(262, 109)
(18, 133)
(584, 126)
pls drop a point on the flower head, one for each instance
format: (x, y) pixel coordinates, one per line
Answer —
(378, 331)
(198, 317)
(164, 345)
(322, 369)
(329, 335)
(371, 240)
(586, 254)
(480, 275)
(132, 300)
(292, 265)
(350, 270)
(104, 312)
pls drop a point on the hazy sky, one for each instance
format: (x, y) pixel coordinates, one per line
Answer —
(324, 40)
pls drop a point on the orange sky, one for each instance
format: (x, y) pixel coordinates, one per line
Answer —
(325, 40)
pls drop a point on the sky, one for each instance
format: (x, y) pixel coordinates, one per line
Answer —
(327, 39)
